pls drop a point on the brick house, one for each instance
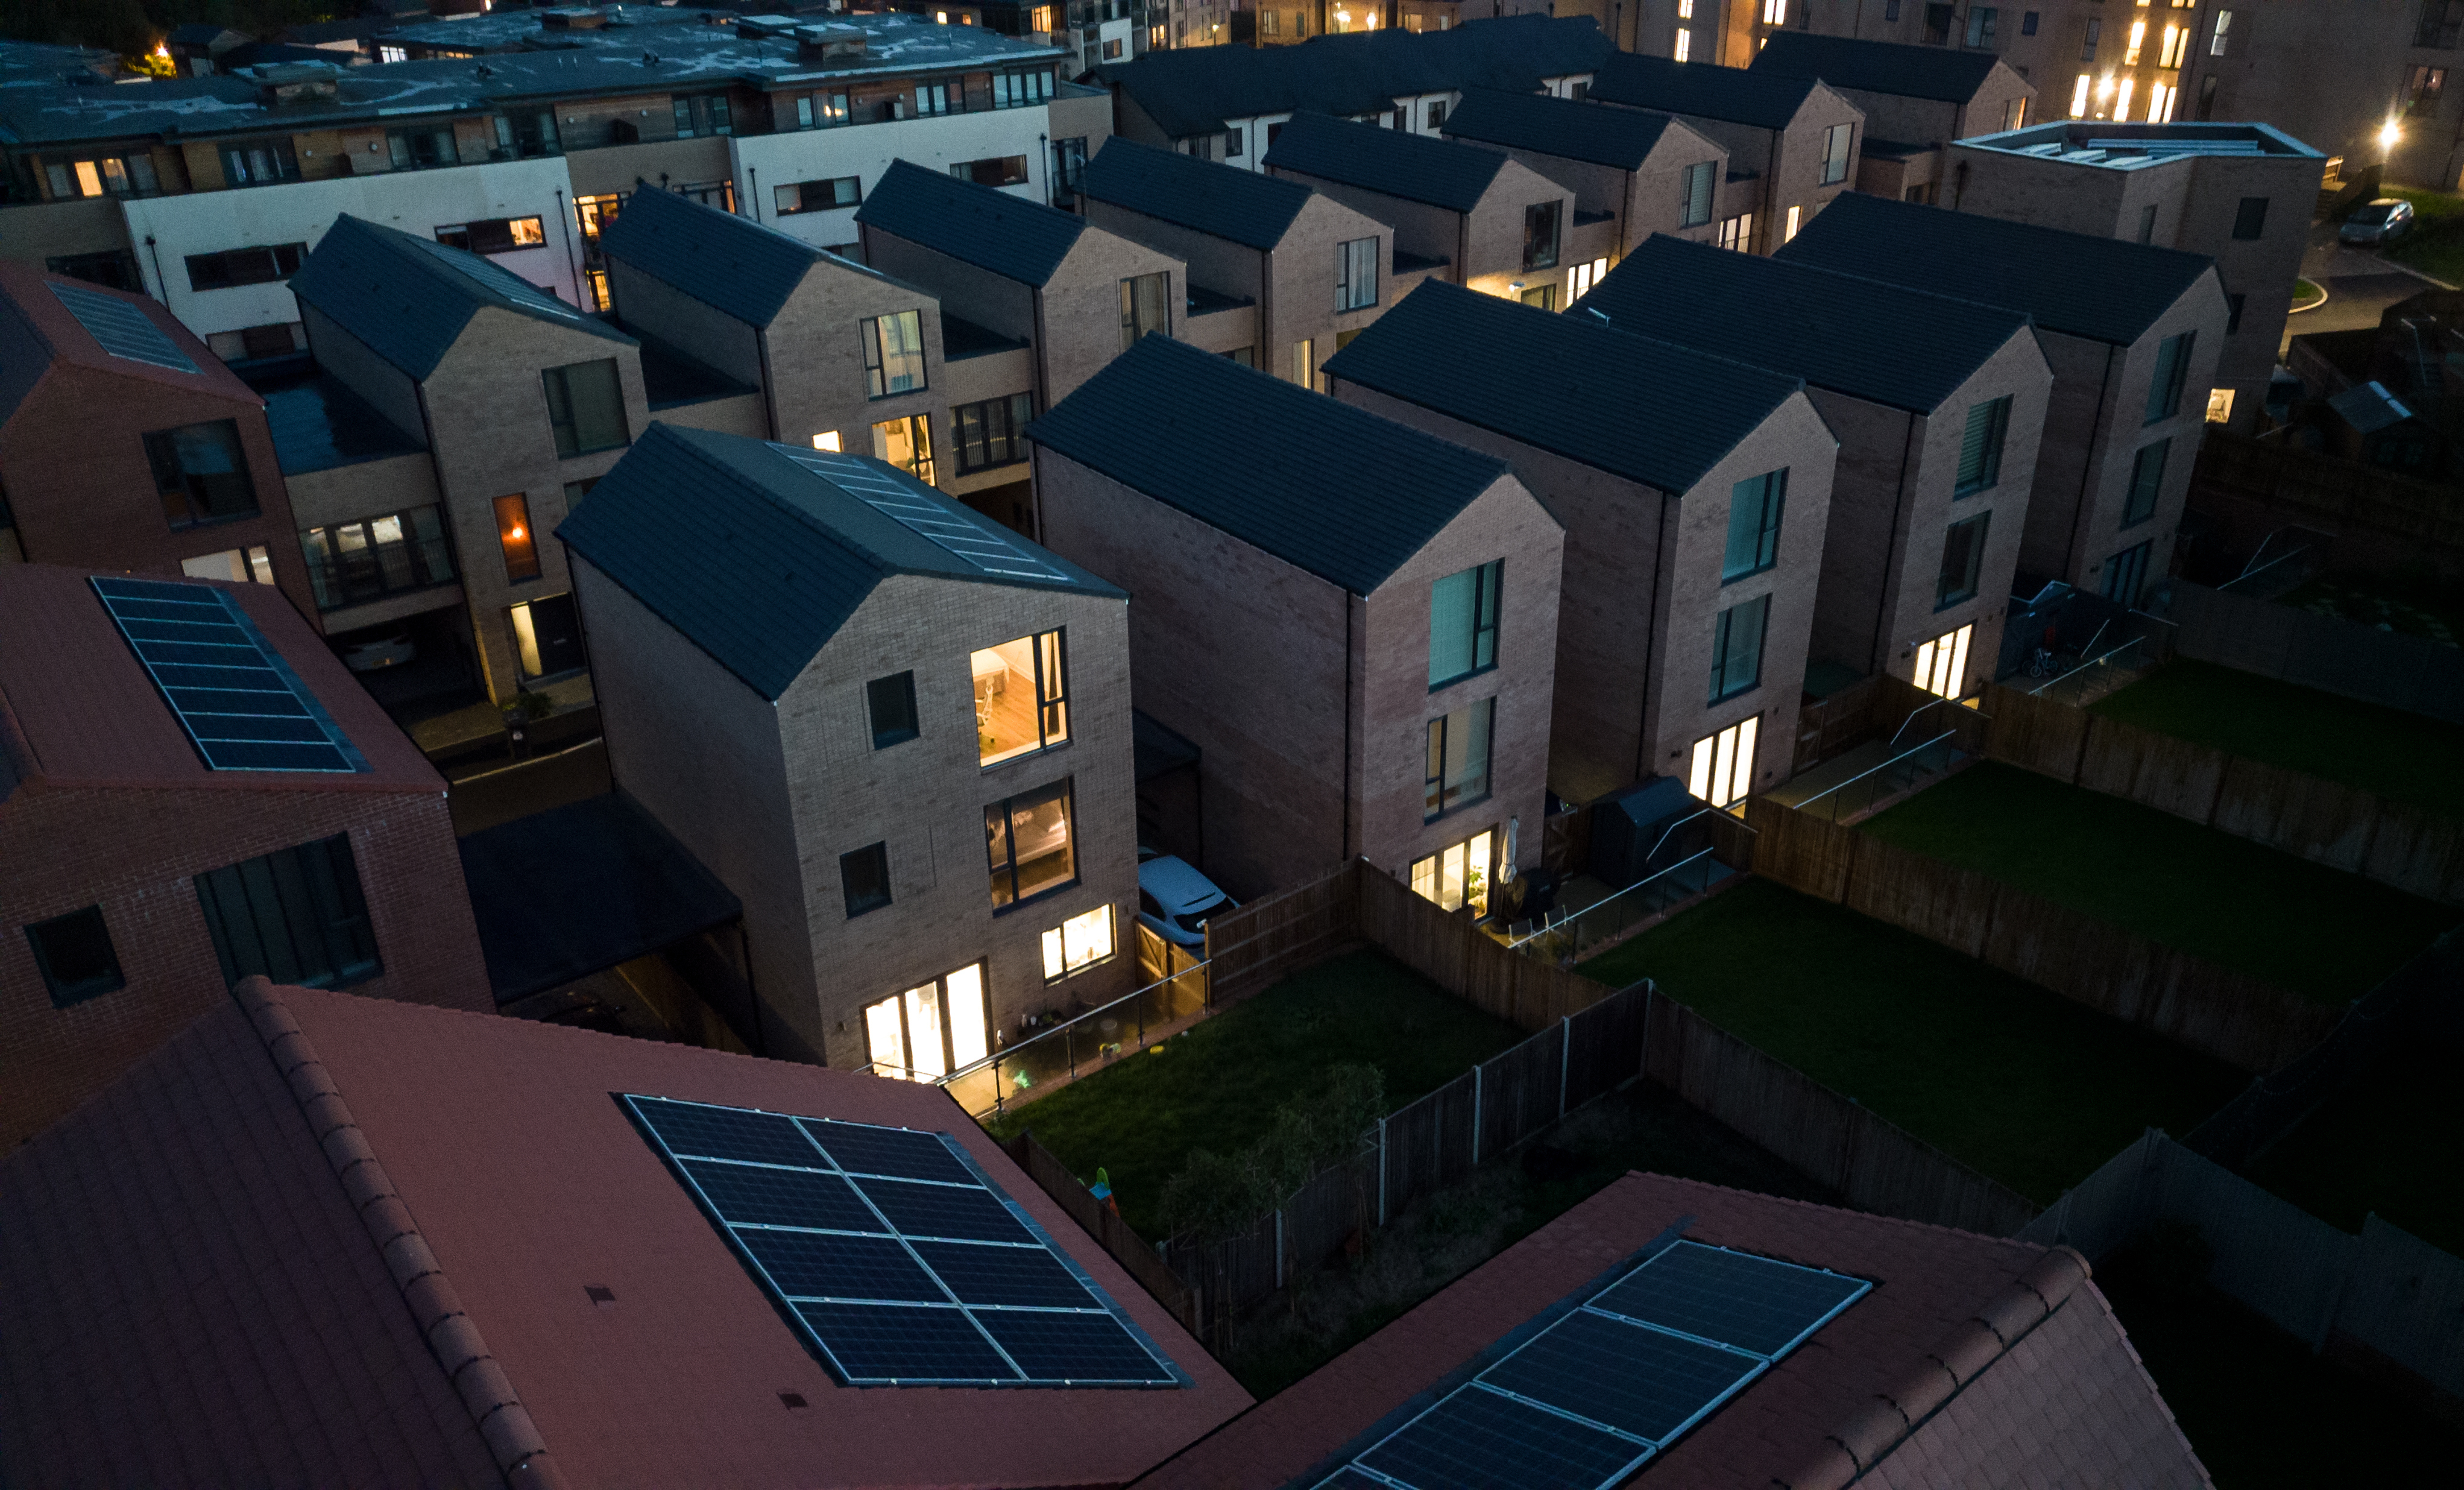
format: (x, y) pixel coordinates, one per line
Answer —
(322, 1240)
(1354, 623)
(1792, 142)
(1938, 404)
(1916, 102)
(1299, 270)
(898, 734)
(148, 862)
(181, 478)
(1645, 172)
(1073, 296)
(1694, 491)
(1475, 216)
(2132, 333)
(2240, 194)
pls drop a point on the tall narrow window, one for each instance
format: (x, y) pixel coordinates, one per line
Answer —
(2250, 218)
(1696, 199)
(2172, 373)
(1143, 306)
(889, 703)
(1722, 769)
(2224, 27)
(2130, 48)
(1835, 141)
(2095, 31)
(1540, 236)
(2147, 223)
(906, 443)
(1304, 363)
(1029, 844)
(1753, 524)
(1462, 623)
(1355, 273)
(894, 354)
(1980, 448)
(1021, 696)
(2122, 100)
(2125, 573)
(1458, 759)
(513, 537)
(202, 474)
(2079, 96)
(1737, 648)
(296, 916)
(1963, 560)
(1684, 48)
(1980, 25)
(547, 636)
(1942, 664)
(585, 407)
(864, 879)
(75, 955)
(1796, 215)
(2147, 482)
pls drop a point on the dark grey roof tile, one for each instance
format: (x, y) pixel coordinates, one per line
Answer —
(1246, 207)
(1442, 173)
(1938, 72)
(1563, 127)
(1739, 96)
(984, 226)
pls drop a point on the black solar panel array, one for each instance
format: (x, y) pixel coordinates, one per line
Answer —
(1586, 1401)
(902, 1262)
(241, 705)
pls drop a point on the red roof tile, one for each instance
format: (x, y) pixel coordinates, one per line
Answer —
(1957, 1326)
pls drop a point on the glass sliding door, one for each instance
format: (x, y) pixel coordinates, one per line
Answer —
(931, 1029)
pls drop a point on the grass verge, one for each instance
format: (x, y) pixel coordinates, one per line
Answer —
(1217, 1085)
(2016, 1082)
(2436, 245)
(2409, 759)
(2392, 1143)
(2323, 934)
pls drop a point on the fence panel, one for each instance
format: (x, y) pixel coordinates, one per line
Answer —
(2323, 652)
(2270, 1253)
(2039, 734)
(1098, 1220)
(1256, 945)
(1604, 1045)
(2406, 1302)
(2323, 821)
(2162, 771)
(1451, 953)
(2102, 1212)
(2417, 850)
(1519, 1090)
(1799, 850)
(1417, 1141)
(1891, 1171)
(1939, 902)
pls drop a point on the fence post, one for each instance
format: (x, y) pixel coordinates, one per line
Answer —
(1278, 1246)
(1381, 1173)
(1565, 1057)
(1476, 1075)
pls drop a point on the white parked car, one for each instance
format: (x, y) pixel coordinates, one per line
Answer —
(1174, 901)
(380, 652)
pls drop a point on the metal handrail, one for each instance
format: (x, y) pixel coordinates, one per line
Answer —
(1065, 1025)
(2086, 664)
(1707, 811)
(1571, 917)
(1871, 770)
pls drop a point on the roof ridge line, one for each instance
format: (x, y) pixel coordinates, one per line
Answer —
(1799, 265)
(504, 1424)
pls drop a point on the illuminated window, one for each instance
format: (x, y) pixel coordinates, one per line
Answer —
(1942, 664)
(495, 235)
(2175, 47)
(2121, 101)
(1456, 876)
(1304, 363)
(817, 196)
(547, 637)
(240, 565)
(894, 354)
(2079, 96)
(1029, 845)
(1021, 696)
(594, 291)
(2224, 25)
(1078, 944)
(929, 1032)
(1458, 759)
(1039, 18)
(2220, 402)
(1738, 233)
(2159, 102)
(1685, 46)
(591, 213)
(513, 537)
(827, 439)
(906, 443)
(2138, 40)
(1775, 12)
(1787, 234)
(1583, 277)
(1724, 763)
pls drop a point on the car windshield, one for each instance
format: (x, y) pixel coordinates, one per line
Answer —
(2375, 212)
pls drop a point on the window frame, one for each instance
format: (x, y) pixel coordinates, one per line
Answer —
(1770, 503)
(2249, 219)
(1355, 260)
(331, 571)
(1137, 302)
(1051, 694)
(1725, 649)
(1063, 791)
(281, 258)
(899, 690)
(2145, 482)
(1537, 254)
(1441, 795)
(1696, 203)
(872, 861)
(176, 484)
(1839, 143)
(979, 447)
(556, 384)
(515, 531)
(471, 235)
(1996, 413)
(2170, 375)
(229, 897)
(1947, 592)
(1488, 587)
(1055, 944)
(877, 355)
(67, 992)
(843, 192)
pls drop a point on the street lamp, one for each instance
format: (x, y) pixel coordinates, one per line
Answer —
(2388, 135)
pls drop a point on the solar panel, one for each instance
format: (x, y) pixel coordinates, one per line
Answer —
(240, 703)
(123, 329)
(901, 1263)
(953, 529)
(1585, 1400)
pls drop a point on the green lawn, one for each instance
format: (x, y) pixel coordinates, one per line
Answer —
(1217, 1085)
(2323, 934)
(2436, 245)
(2394, 1143)
(2407, 757)
(2021, 1084)
(2416, 604)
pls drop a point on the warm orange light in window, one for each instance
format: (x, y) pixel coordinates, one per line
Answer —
(513, 537)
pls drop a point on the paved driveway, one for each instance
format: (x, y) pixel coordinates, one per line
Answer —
(2360, 287)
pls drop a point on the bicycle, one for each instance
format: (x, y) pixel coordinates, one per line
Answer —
(2041, 663)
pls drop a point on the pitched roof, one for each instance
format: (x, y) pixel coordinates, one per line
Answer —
(1646, 409)
(38, 329)
(408, 298)
(1941, 72)
(1338, 492)
(486, 1158)
(1439, 173)
(2008, 1345)
(1248, 206)
(732, 264)
(1874, 341)
(759, 552)
(1766, 100)
(984, 226)
(1565, 128)
(2077, 283)
(1194, 90)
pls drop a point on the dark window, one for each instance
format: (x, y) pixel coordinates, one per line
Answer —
(1540, 297)
(1232, 144)
(1937, 19)
(2172, 371)
(272, 340)
(864, 877)
(2147, 482)
(2027, 23)
(1963, 560)
(1980, 25)
(2095, 30)
(1068, 164)
(527, 135)
(1015, 90)
(1462, 623)
(515, 537)
(296, 916)
(263, 264)
(1835, 141)
(2442, 21)
(113, 268)
(1737, 648)
(2233, 312)
(575, 491)
(1890, 9)
(999, 171)
(1695, 206)
(1980, 447)
(419, 148)
(547, 636)
(75, 955)
(1458, 759)
(1245, 356)
(2249, 219)
(202, 474)
(585, 407)
(495, 235)
(890, 703)
(894, 354)
(1031, 844)
(817, 196)
(1753, 524)
(2147, 224)
(706, 115)
(991, 433)
(1144, 307)
(1436, 117)
(1540, 236)
(256, 163)
(2014, 114)
(1355, 273)
(2125, 573)
(374, 556)
(2422, 86)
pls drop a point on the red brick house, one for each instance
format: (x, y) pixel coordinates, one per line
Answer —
(180, 477)
(151, 856)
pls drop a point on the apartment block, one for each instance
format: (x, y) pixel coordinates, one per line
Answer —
(1916, 102)
(1695, 493)
(1353, 622)
(1069, 295)
(2240, 195)
(1299, 270)
(193, 791)
(1792, 142)
(182, 477)
(899, 734)
(2132, 333)
(1640, 172)
(1230, 103)
(1473, 216)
